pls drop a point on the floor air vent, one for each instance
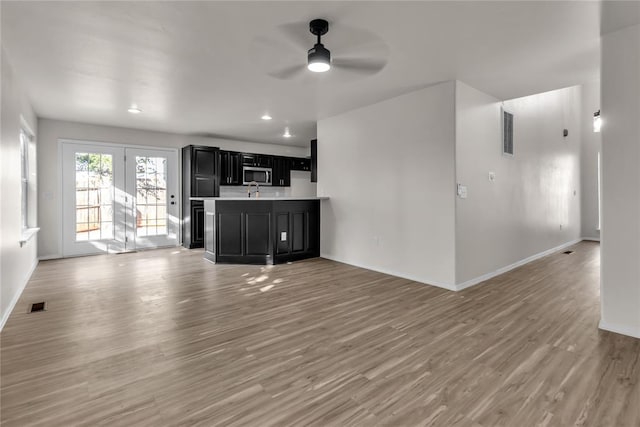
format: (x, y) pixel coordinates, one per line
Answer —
(567, 252)
(38, 306)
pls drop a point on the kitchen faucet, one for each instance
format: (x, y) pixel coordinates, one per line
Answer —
(257, 189)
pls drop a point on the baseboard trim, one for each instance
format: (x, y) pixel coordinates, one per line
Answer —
(48, 257)
(394, 273)
(480, 279)
(16, 297)
(468, 283)
(619, 329)
(591, 239)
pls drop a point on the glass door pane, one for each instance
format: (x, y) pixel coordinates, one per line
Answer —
(93, 199)
(94, 196)
(151, 196)
(152, 184)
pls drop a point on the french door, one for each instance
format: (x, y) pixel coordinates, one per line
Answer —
(117, 198)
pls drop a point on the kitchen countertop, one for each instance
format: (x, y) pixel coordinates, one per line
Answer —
(258, 198)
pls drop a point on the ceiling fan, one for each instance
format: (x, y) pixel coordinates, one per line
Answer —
(361, 52)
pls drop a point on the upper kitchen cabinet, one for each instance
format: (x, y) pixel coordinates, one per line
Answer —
(314, 160)
(281, 172)
(300, 164)
(199, 168)
(230, 168)
(257, 160)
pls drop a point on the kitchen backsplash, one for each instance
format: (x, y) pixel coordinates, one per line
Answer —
(265, 191)
(300, 187)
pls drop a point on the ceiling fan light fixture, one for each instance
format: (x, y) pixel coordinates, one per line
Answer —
(319, 59)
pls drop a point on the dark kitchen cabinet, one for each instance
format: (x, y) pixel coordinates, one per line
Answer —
(197, 223)
(261, 231)
(230, 168)
(314, 160)
(300, 164)
(281, 172)
(200, 166)
(243, 232)
(257, 160)
(202, 170)
(297, 229)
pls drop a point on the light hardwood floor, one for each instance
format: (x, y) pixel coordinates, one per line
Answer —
(165, 338)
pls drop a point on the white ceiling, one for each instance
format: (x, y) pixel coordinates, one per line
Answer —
(203, 67)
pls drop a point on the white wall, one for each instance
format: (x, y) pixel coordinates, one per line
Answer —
(530, 207)
(16, 263)
(389, 171)
(50, 131)
(591, 144)
(620, 269)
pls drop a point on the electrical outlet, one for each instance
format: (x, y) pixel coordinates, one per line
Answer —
(283, 236)
(492, 176)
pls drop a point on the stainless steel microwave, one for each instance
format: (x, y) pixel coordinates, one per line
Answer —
(262, 176)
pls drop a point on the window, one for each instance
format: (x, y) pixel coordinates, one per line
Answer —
(28, 191)
(24, 166)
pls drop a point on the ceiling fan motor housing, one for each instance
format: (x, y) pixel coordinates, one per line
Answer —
(318, 27)
(318, 53)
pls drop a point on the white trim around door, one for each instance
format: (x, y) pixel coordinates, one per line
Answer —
(118, 198)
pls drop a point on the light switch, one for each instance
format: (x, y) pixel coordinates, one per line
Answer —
(283, 236)
(492, 176)
(462, 191)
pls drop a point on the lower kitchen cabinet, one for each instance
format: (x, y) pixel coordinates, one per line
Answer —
(297, 226)
(244, 232)
(262, 232)
(193, 226)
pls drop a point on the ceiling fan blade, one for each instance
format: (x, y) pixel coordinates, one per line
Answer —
(359, 65)
(289, 72)
(297, 33)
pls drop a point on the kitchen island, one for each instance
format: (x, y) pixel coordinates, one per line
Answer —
(269, 230)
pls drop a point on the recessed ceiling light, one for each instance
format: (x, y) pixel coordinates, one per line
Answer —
(266, 117)
(286, 133)
(134, 109)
